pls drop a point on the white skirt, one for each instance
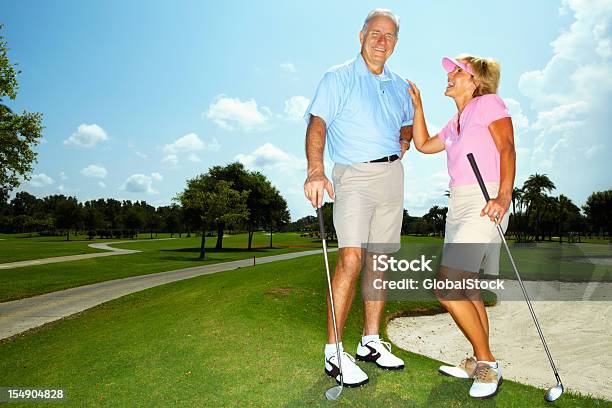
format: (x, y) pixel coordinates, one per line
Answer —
(471, 242)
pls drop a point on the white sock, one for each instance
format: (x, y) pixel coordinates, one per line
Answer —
(330, 349)
(371, 337)
(492, 364)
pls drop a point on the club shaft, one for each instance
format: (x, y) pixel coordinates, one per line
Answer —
(331, 292)
(533, 315)
(483, 187)
(333, 310)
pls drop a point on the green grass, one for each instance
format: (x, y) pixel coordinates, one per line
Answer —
(23, 247)
(160, 256)
(156, 256)
(247, 337)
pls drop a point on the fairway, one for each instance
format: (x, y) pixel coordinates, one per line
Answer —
(159, 256)
(247, 337)
(156, 256)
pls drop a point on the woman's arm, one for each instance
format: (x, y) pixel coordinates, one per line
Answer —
(420, 136)
(503, 135)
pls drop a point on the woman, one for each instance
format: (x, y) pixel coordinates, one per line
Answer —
(481, 126)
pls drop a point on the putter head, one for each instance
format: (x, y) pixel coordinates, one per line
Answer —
(333, 393)
(554, 392)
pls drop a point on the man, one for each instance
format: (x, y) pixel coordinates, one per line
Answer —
(365, 113)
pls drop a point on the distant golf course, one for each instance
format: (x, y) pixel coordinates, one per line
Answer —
(246, 337)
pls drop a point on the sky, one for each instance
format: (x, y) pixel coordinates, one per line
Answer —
(140, 96)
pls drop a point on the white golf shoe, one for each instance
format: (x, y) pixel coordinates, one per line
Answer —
(487, 380)
(465, 369)
(352, 375)
(379, 352)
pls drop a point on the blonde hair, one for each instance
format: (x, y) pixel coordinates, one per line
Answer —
(487, 72)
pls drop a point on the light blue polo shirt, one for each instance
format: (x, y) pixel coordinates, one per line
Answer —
(363, 112)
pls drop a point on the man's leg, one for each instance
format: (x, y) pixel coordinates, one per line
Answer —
(384, 238)
(373, 300)
(344, 283)
(343, 287)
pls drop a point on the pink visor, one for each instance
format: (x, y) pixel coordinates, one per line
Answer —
(449, 65)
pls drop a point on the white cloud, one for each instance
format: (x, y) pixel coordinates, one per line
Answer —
(170, 159)
(519, 120)
(594, 150)
(63, 176)
(156, 176)
(40, 180)
(138, 183)
(570, 95)
(229, 112)
(288, 67)
(194, 158)
(295, 107)
(61, 189)
(188, 145)
(140, 154)
(214, 146)
(94, 170)
(285, 170)
(87, 136)
(268, 155)
(101, 184)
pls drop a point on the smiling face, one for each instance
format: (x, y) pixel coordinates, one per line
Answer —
(378, 42)
(460, 83)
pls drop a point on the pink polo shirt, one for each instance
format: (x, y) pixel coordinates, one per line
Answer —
(474, 138)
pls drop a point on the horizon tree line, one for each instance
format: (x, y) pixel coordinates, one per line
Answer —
(224, 198)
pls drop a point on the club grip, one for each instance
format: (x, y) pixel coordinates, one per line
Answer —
(470, 157)
(321, 223)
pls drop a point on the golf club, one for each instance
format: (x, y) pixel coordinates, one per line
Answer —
(554, 392)
(334, 392)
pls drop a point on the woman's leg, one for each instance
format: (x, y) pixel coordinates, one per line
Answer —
(468, 316)
(482, 313)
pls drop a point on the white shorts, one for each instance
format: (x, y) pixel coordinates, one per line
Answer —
(471, 242)
(369, 205)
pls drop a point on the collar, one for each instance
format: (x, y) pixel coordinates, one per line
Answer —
(362, 69)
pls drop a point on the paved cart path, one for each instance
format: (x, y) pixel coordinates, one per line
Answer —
(67, 258)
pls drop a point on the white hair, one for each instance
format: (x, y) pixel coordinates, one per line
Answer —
(384, 13)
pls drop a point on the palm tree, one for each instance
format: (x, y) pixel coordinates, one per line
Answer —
(563, 204)
(517, 196)
(534, 193)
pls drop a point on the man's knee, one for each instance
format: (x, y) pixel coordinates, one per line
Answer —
(350, 259)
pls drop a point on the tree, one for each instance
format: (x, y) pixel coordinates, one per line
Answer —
(19, 133)
(134, 220)
(266, 207)
(25, 203)
(598, 209)
(92, 219)
(215, 201)
(534, 193)
(278, 214)
(171, 216)
(67, 215)
(437, 216)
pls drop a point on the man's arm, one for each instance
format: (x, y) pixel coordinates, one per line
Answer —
(405, 138)
(316, 181)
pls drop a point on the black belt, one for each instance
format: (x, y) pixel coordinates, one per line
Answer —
(389, 159)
